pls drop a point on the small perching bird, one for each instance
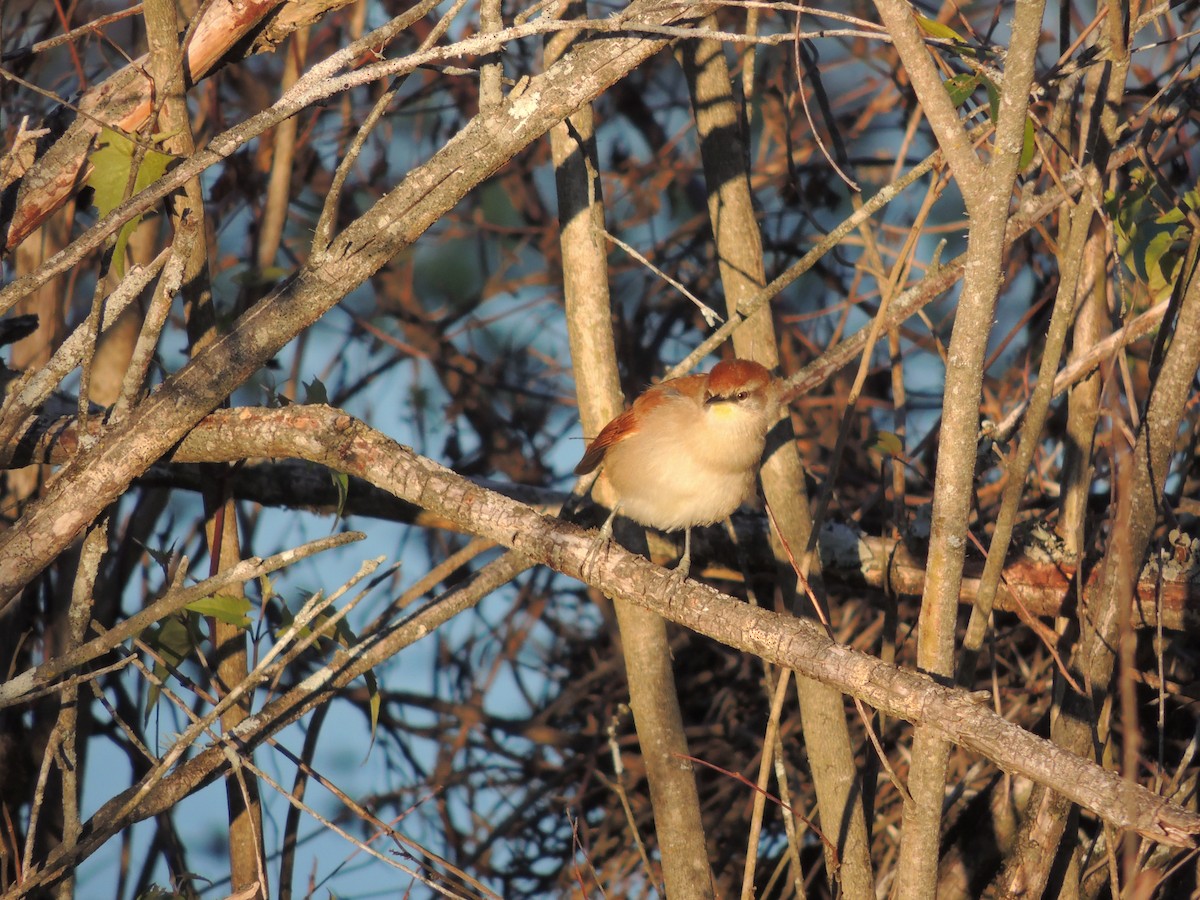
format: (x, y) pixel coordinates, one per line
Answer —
(687, 452)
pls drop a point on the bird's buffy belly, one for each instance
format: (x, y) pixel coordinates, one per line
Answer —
(674, 493)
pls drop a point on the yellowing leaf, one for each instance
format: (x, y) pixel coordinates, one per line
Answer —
(936, 29)
(889, 443)
(226, 607)
(111, 164)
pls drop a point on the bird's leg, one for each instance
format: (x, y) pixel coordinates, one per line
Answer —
(592, 560)
(684, 566)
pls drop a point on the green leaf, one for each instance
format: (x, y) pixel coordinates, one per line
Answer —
(1028, 147)
(376, 698)
(343, 635)
(993, 93)
(1152, 248)
(339, 632)
(173, 640)
(225, 607)
(319, 623)
(1151, 229)
(961, 87)
(111, 162)
(341, 481)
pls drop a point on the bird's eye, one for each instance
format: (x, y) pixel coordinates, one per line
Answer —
(742, 395)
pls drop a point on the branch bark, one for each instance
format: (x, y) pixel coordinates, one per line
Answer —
(334, 439)
(988, 206)
(653, 695)
(899, 20)
(740, 261)
(125, 99)
(83, 489)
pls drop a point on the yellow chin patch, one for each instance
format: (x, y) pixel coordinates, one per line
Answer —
(723, 412)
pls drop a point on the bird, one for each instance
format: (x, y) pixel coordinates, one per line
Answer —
(687, 452)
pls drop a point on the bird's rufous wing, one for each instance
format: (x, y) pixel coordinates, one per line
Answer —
(615, 431)
(626, 424)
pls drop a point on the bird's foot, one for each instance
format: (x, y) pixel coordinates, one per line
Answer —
(684, 567)
(591, 563)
